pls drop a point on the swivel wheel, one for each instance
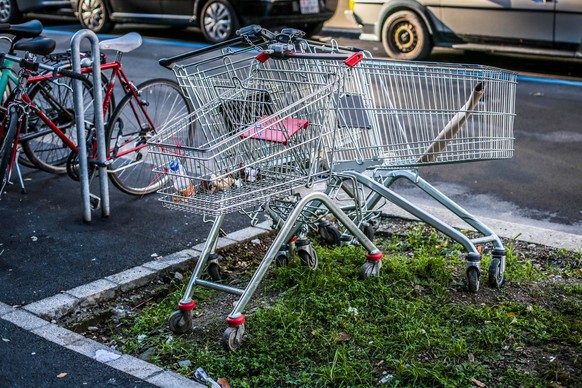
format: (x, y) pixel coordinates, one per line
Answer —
(214, 271)
(496, 272)
(180, 322)
(330, 234)
(283, 257)
(233, 337)
(282, 260)
(368, 231)
(473, 279)
(308, 258)
(370, 269)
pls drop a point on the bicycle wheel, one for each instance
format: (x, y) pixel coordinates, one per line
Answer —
(160, 104)
(8, 133)
(43, 147)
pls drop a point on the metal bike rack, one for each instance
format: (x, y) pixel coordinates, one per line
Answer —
(99, 123)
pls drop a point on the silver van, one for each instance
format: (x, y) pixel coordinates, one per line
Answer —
(409, 29)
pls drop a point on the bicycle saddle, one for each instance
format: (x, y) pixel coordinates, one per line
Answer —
(125, 43)
(38, 45)
(28, 29)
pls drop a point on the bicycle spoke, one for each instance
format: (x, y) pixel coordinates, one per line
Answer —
(160, 104)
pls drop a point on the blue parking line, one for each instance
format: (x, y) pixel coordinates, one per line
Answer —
(197, 45)
(551, 81)
(55, 30)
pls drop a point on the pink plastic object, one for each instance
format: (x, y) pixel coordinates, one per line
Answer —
(277, 130)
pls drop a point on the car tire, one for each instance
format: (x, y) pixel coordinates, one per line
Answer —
(9, 12)
(94, 15)
(218, 21)
(405, 36)
(312, 28)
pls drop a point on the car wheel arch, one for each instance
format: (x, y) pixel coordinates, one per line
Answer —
(392, 7)
(200, 6)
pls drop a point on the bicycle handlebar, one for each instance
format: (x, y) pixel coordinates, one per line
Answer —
(34, 66)
(69, 73)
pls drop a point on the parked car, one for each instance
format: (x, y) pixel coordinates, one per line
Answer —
(409, 29)
(11, 10)
(218, 19)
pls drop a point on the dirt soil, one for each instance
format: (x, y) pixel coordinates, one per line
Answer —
(101, 322)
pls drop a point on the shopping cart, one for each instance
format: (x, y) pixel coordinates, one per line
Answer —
(203, 73)
(398, 116)
(206, 73)
(261, 139)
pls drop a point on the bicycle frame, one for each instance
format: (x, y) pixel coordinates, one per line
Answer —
(7, 76)
(116, 73)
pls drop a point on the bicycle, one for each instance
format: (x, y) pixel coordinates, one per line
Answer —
(142, 111)
(55, 99)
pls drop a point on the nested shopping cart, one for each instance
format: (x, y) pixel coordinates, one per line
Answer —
(395, 117)
(203, 73)
(263, 137)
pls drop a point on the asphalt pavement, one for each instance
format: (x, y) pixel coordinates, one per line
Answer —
(48, 252)
(52, 262)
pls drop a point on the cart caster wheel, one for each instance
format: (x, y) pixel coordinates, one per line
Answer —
(180, 322)
(214, 271)
(283, 257)
(282, 260)
(330, 234)
(368, 231)
(233, 337)
(308, 259)
(473, 279)
(495, 273)
(370, 269)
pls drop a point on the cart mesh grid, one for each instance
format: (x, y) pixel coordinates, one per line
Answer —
(202, 79)
(260, 139)
(396, 114)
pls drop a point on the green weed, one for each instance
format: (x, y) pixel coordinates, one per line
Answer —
(410, 326)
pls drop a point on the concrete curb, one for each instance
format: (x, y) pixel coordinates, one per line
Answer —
(38, 317)
(35, 317)
(510, 230)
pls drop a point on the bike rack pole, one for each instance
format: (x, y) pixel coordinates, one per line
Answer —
(99, 123)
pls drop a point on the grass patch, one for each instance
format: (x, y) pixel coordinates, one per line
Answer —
(414, 325)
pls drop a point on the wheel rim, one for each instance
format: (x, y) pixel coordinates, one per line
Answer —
(92, 13)
(5, 10)
(218, 22)
(404, 37)
(133, 170)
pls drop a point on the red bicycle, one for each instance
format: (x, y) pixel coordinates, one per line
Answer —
(51, 145)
